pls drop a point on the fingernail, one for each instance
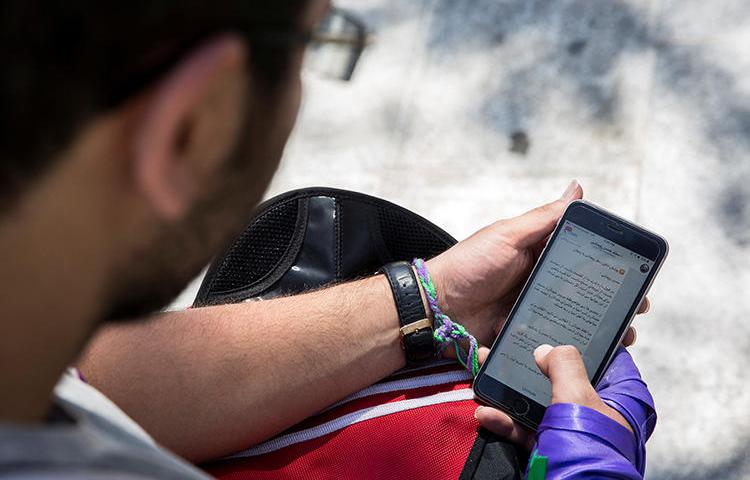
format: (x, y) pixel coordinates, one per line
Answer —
(570, 191)
(542, 350)
(476, 412)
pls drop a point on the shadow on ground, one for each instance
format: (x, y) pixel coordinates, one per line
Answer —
(589, 40)
(577, 46)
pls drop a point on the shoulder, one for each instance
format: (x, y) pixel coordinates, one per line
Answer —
(93, 440)
(84, 401)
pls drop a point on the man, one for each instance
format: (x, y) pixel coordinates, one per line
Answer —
(136, 140)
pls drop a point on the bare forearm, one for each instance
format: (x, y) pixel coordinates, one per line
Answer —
(206, 382)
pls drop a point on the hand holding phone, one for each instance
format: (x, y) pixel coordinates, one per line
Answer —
(584, 291)
(577, 441)
(564, 368)
(477, 279)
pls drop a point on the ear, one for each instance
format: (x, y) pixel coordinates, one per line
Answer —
(189, 125)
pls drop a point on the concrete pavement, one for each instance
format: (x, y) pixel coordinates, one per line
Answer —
(467, 111)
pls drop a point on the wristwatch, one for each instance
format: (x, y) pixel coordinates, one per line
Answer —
(416, 326)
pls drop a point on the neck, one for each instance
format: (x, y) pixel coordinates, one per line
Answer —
(51, 285)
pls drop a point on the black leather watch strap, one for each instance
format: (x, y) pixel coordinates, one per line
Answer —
(416, 328)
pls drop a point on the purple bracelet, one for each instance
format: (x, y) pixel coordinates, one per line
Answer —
(447, 331)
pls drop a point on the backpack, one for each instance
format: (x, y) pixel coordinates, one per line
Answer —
(418, 422)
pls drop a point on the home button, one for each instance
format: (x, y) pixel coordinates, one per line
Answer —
(521, 407)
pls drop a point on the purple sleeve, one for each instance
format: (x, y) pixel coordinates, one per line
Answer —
(582, 443)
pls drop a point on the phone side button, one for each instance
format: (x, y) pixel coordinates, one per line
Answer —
(521, 407)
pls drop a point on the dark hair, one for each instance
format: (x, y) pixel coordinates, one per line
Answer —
(64, 62)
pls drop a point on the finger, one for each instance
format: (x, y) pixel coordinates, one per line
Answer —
(630, 337)
(536, 250)
(645, 305)
(482, 353)
(502, 425)
(499, 325)
(449, 352)
(534, 225)
(505, 306)
(564, 368)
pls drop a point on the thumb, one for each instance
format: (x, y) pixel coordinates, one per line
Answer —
(564, 368)
(535, 225)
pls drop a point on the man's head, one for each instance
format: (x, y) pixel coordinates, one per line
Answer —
(150, 128)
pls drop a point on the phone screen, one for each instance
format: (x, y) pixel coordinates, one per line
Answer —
(580, 295)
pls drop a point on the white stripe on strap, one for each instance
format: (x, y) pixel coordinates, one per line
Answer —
(406, 384)
(352, 418)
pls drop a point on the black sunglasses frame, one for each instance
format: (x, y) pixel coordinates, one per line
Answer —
(127, 83)
(357, 44)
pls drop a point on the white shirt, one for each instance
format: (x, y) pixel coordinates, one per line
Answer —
(101, 442)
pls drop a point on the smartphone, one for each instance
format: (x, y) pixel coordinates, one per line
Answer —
(584, 291)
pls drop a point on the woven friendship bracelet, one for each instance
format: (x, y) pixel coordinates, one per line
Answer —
(447, 331)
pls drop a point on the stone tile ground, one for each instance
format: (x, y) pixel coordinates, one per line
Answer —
(471, 110)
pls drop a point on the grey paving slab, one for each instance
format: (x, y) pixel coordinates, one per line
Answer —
(553, 73)
(339, 121)
(696, 21)
(451, 84)
(470, 111)
(695, 187)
